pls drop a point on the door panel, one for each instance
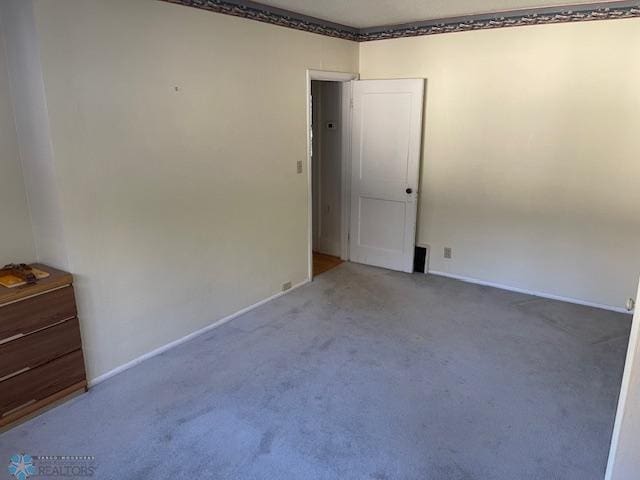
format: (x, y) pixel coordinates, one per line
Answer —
(380, 220)
(386, 140)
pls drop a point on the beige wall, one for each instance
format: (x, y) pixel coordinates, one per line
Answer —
(34, 133)
(16, 239)
(176, 134)
(531, 153)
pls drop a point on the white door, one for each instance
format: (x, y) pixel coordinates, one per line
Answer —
(386, 139)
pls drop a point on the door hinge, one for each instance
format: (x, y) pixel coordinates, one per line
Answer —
(351, 102)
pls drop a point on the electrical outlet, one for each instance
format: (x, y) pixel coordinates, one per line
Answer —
(299, 166)
(286, 286)
(447, 252)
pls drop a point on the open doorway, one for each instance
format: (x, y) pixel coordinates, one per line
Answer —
(326, 174)
(329, 141)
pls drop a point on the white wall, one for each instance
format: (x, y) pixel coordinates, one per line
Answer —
(327, 167)
(624, 459)
(34, 136)
(16, 239)
(531, 153)
(176, 134)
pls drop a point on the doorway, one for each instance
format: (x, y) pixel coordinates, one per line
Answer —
(328, 148)
(326, 174)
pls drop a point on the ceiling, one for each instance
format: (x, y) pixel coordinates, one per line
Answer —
(374, 13)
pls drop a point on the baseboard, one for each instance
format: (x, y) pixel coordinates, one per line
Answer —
(530, 292)
(175, 343)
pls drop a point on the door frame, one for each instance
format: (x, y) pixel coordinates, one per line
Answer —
(345, 159)
(624, 405)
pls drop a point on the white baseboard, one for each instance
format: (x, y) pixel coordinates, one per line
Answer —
(175, 343)
(530, 292)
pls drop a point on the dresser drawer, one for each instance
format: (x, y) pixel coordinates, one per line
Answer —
(39, 383)
(31, 314)
(38, 348)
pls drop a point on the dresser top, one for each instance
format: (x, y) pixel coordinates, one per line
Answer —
(57, 279)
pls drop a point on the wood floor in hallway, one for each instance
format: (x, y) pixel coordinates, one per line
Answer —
(323, 263)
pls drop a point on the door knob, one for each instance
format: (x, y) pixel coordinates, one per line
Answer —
(409, 191)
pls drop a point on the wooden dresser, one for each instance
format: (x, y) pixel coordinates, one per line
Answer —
(41, 357)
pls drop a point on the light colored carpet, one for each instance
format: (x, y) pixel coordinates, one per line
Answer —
(364, 373)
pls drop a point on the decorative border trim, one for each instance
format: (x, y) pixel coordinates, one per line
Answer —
(516, 18)
(274, 16)
(542, 16)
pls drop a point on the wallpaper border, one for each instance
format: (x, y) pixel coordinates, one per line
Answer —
(542, 16)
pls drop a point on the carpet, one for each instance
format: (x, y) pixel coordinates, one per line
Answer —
(362, 374)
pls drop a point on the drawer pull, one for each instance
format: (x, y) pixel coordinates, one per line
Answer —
(6, 377)
(36, 294)
(15, 337)
(24, 405)
(57, 322)
(20, 335)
